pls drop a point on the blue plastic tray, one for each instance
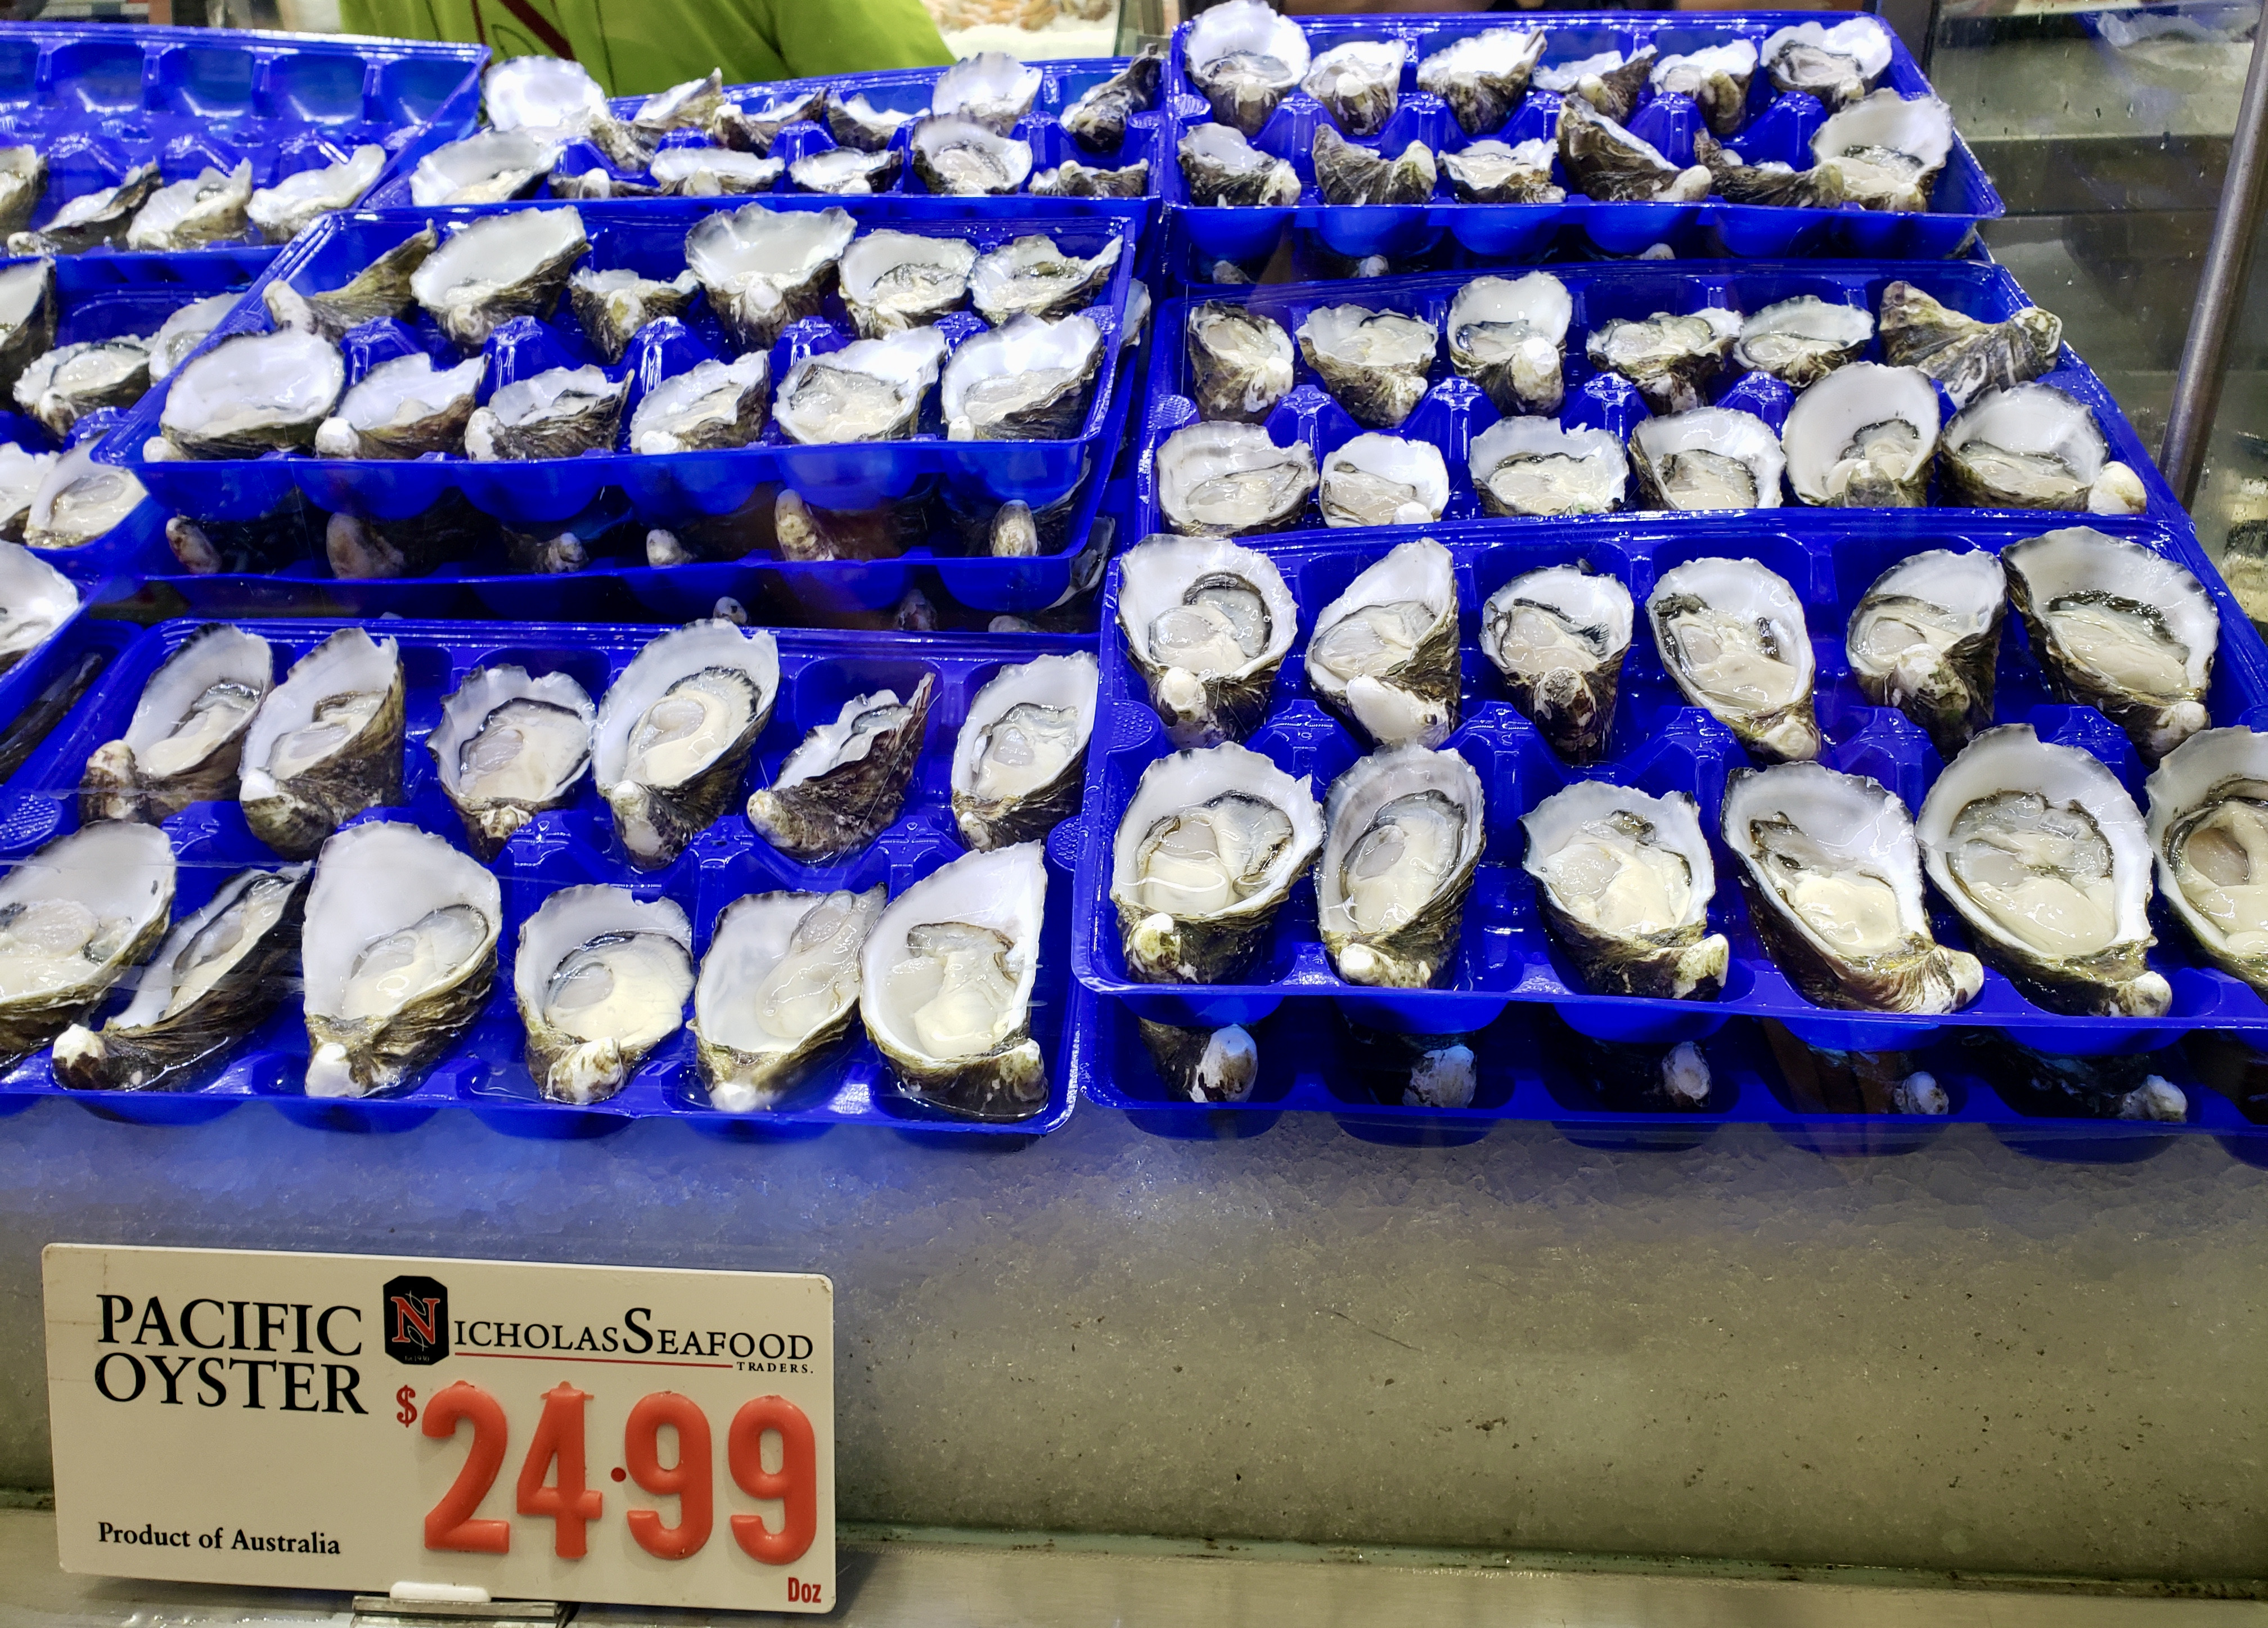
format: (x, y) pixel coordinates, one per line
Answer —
(485, 1073)
(1507, 964)
(1780, 128)
(98, 99)
(82, 634)
(1454, 410)
(905, 90)
(637, 492)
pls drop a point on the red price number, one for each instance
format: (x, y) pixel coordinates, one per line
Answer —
(555, 1484)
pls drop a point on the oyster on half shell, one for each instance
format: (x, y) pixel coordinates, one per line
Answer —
(1029, 380)
(856, 123)
(509, 747)
(80, 499)
(497, 267)
(1606, 162)
(1383, 479)
(1490, 172)
(21, 474)
(23, 183)
(1403, 829)
(1223, 480)
(1609, 81)
(1670, 357)
(896, 280)
(1240, 361)
(73, 918)
(1098, 120)
(1624, 883)
(253, 394)
(1483, 77)
(1358, 83)
(1373, 363)
(1964, 355)
(1732, 638)
(958, 157)
(1383, 655)
(601, 978)
(404, 407)
(205, 210)
(489, 166)
(992, 88)
(1768, 182)
(27, 316)
(674, 731)
(846, 172)
(2208, 830)
(2031, 446)
(563, 412)
(1804, 339)
(870, 390)
(845, 782)
(1837, 65)
(298, 200)
(1070, 178)
(91, 220)
(326, 743)
(1033, 275)
(1887, 150)
(1709, 458)
(612, 305)
(35, 599)
(68, 383)
(1560, 635)
(1532, 466)
(1244, 59)
(711, 404)
(764, 269)
(184, 331)
(1347, 174)
(1925, 639)
(1207, 624)
(777, 992)
(1020, 760)
(185, 743)
(381, 289)
(1865, 436)
(754, 129)
(1716, 76)
(1509, 335)
(1222, 170)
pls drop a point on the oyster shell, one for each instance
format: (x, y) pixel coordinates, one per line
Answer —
(1383, 479)
(847, 172)
(1733, 639)
(324, 745)
(2117, 626)
(1207, 624)
(1604, 161)
(1669, 357)
(1837, 65)
(754, 129)
(765, 268)
(1244, 59)
(66, 384)
(1097, 120)
(186, 739)
(1532, 466)
(1032, 276)
(1560, 635)
(1925, 639)
(209, 207)
(400, 948)
(561, 413)
(73, 918)
(21, 476)
(1029, 380)
(1490, 171)
(870, 390)
(402, 408)
(992, 88)
(674, 731)
(1222, 170)
(1509, 335)
(500, 266)
(23, 183)
(1203, 1065)
(1346, 174)
(96, 219)
(1358, 83)
(492, 166)
(2208, 831)
(1964, 355)
(298, 200)
(1608, 82)
(1073, 179)
(1625, 881)
(1710, 458)
(184, 331)
(1482, 76)
(946, 980)
(845, 782)
(612, 305)
(896, 280)
(35, 599)
(960, 158)
(1402, 835)
(1716, 76)
(1373, 363)
(855, 123)
(1020, 760)
(1887, 151)
(384, 288)
(1803, 340)
(600, 979)
(1865, 436)
(1833, 880)
(1768, 182)
(1207, 851)
(1383, 655)
(2031, 446)
(711, 404)
(2044, 857)
(79, 500)
(27, 316)
(219, 976)
(691, 105)
(1222, 480)
(550, 93)
(1240, 361)
(509, 747)
(777, 991)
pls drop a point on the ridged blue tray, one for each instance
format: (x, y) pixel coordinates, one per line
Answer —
(1780, 128)
(485, 1073)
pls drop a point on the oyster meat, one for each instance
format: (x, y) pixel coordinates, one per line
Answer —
(847, 172)
(1837, 65)
(896, 280)
(1358, 83)
(1967, 357)
(68, 383)
(1509, 335)
(1070, 178)
(1604, 161)
(1532, 466)
(326, 743)
(845, 782)
(855, 123)
(1709, 458)
(184, 331)
(219, 976)
(27, 316)
(35, 599)
(1624, 883)
(1348, 173)
(1560, 635)
(21, 475)
(1887, 150)
(960, 158)
(381, 289)
(1925, 639)
(186, 739)
(1222, 170)
(2031, 446)
(1733, 639)
(1383, 479)
(711, 404)
(79, 500)
(1804, 339)
(777, 991)
(1207, 624)
(1029, 380)
(1205, 855)
(490, 167)
(1833, 881)
(1240, 361)
(96, 219)
(992, 88)
(508, 748)
(403, 409)
(1034, 276)
(612, 305)
(73, 918)
(2045, 858)
(601, 978)
(23, 183)
(1098, 120)
(1223, 480)
(2208, 831)
(1482, 76)
(1768, 182)
(561, 413)
(870, 390)
(1383, 655)
(500, 266)
(1490, 171)
(1244, 59)
(2117, 626)
(1608, 82)
(1670, 359)
(400, 949)
(674, 731)
(765, 268)
(1373, 363)
(1403, 830)
(1020, 760)
(1865, 436)
(1716, 76)
(208, 209)
(298, 200)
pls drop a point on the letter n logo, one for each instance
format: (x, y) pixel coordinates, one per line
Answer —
(414, 1314)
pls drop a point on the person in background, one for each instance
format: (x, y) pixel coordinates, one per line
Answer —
(638, 47)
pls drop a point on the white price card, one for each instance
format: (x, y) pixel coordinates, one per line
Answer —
(353, 1421)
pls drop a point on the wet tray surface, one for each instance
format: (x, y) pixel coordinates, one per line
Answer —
(485, 1071)
(1455, 409)
(1507, 970)
(1779, 127)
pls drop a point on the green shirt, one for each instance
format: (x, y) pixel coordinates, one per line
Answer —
(638, 47)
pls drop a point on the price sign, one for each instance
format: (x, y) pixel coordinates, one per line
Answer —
(352, 1422)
